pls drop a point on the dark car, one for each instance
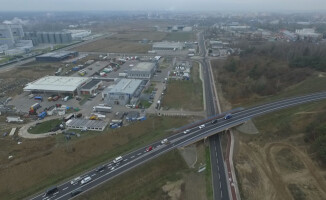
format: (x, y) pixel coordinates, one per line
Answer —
(51, 191)
(214, 121)
(76, 192)
(100, 168)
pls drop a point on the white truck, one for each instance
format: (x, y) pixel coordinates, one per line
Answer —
(123, 75)
(117, 160)
(102, 109)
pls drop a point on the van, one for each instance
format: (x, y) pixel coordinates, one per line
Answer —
(51, 191)
(117, 159)
(76, 192)
(165, 141)
(86, 180)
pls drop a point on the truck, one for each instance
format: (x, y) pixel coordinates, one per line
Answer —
(102, 109)
(123, 74)
(66, 98)
(35, 106)
(14, 119)
(42, 115)
(57, 73)
(117, 160)
(82, 72)
(38, 98)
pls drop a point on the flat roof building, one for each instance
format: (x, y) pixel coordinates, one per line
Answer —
(142, 70)
(86, 124)
(57, 84)
(91, 87)
(57, 56)
(123, 91)
(168, 46)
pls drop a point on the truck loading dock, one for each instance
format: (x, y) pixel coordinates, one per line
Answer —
(85, 124)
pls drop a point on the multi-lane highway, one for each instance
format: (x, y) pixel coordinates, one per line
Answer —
(219, 179)
(141, 156)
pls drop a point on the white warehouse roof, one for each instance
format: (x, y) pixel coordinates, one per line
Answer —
(56, 83)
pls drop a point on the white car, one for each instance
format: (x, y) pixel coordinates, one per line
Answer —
(86, 180)
(165, 141)
(186, 131)
(75, 180)
(112, 168)
(202, 126)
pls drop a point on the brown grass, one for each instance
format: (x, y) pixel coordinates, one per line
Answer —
(45, 162)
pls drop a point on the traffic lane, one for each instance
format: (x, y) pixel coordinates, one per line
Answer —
(215, 170)
(234, 119)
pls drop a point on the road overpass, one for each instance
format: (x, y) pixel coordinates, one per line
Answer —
(140, 156)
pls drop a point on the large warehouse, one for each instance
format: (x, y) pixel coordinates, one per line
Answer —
(57, 85)
(57, 56)
(142, 70)
(168, 46)
(123, 91)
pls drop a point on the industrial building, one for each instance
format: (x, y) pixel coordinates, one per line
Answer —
(123, 92)
(56, 56)
(86, 124)
(142, 70)
(168, 46)
(78, 34)
(49, 37)
(57, 85)
(91, 87)
(10, 34)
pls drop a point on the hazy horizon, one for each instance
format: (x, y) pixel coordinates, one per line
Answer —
(167, 5)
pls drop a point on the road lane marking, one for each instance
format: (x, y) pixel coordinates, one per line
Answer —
(93, 174)
(65, 188)
(139, 154)
(132, 156)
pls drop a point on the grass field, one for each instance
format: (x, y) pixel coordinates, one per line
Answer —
(45, 127)
(183, 94)
(114, 46)
(143, 182)
(59, 160)
(180, 36)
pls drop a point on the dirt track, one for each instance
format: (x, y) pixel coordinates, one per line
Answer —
(268, 172)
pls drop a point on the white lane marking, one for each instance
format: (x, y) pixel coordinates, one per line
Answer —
(65, 188)
(132, 156)
(139, 154)
(219, 176)
(220, 185)
(55, 193)
(125, 159)
(145, 151)
(93, 174)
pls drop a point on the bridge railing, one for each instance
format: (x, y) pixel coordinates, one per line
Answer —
(208, 119)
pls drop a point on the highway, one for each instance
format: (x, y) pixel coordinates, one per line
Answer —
(140, 156)
(219, 179)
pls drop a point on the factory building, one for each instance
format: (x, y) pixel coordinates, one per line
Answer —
(79, 34)
(57, 85)
(142, 70)
(49, 37)
(123, 92)
(85, 124)
(10, 34)
(57, 56)
(172, 46)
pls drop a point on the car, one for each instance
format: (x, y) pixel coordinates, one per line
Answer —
(76, 192)
(150, 148)
(117, 160)
(165, 141)
(101, 168)
(201, 126)
(186, 131)
(51, 191)
(228, 116)
(214, 121)
(75, 180)
(86, 180)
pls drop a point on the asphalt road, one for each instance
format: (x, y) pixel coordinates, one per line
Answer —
(140, 156)
(219, 179)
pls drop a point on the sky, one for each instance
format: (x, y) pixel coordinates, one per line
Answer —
(173, 5)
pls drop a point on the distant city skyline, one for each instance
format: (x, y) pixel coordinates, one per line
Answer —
(171, 5)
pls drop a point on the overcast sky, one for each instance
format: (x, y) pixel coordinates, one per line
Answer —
(177, 5)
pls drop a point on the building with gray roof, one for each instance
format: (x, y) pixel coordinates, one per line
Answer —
(142, 70)
(86, 124)
(123, 91)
